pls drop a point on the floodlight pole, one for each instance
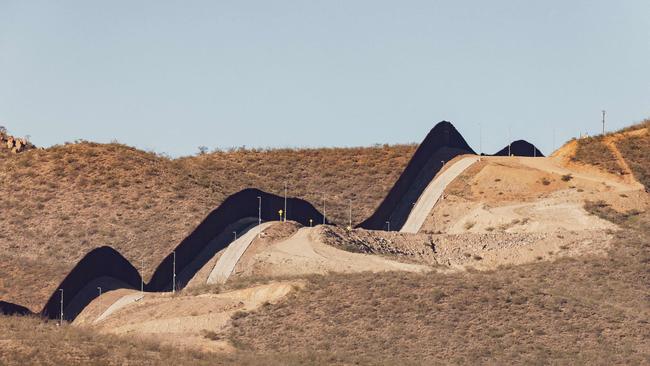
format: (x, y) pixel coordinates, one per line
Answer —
(61, 321)
(259, 216)
(285, 201)
(323, 208)
(509, 141)
(174, 274)
(350, 214)
(142, 277)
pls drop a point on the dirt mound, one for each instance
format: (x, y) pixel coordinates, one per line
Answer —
(306, 253)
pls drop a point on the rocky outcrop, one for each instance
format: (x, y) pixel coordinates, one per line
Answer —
(14, 144)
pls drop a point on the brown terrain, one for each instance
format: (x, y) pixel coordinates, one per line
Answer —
(523, 260)
(61, 202)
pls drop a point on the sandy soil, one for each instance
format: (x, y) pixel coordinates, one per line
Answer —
(528, 195)
(187, 321)
(305, 253)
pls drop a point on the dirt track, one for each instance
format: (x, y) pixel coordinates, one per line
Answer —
(434, 191)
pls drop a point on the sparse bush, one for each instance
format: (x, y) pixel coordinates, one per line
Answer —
(239, 314)
(567, 177)
(213, 336)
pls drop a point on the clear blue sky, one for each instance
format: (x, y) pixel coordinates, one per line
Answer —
(172, 75)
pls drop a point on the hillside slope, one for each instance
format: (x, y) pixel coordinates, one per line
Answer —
(623, 152)
(61, 202)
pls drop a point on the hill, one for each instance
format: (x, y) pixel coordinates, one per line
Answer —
(623, 152)
(578, 297)
(61, 202)
(587, 310)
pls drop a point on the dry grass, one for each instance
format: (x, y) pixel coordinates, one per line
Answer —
(636, 152)
(31, 341)
(61, 202)
(592, 310)
(593, 151)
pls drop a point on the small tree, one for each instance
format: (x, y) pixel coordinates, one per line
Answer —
(203, 150)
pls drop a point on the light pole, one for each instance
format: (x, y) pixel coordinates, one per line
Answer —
(350, 221)
(323, 208)
(100, 290)
(388, 223)
(509, 141)
(311, 222)
(259, 216)
(285, 201)
(61, 321)
(174, 274)
(142, 277)
(234, 232)
(604, 112)
(280, 213)
(442, 162)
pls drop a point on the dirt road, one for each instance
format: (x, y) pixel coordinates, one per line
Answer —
(227, 262)
(433, 192)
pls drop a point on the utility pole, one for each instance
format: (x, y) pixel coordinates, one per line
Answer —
(100, 290)
(61, 321)
(604, 112)
(285, 201)
(259, 216)
(174, 274)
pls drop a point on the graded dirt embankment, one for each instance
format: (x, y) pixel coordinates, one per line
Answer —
(228, 259)
(304, 253)
(182, 320)
(434, 191)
